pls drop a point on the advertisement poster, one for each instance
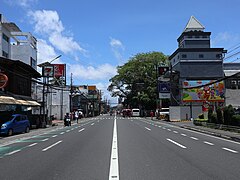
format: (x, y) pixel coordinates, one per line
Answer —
(211, 93)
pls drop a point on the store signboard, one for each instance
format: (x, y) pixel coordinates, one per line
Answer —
(213, 92)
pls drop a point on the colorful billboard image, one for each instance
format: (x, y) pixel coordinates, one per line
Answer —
(213, 92)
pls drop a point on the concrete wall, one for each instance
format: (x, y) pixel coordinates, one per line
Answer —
(178, 113)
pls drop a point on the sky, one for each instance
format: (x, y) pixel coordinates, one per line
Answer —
(93, 37)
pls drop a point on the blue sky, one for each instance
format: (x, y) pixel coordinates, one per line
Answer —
(94, 37)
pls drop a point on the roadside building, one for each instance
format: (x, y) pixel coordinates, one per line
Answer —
(232, 84)
(193, 64)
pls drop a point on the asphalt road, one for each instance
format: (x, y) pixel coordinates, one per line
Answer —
(109, 147)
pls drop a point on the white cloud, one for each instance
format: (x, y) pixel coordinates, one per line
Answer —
(93, 73)
(22, 3)
(225, 40)
(49, 24)
(118, 49)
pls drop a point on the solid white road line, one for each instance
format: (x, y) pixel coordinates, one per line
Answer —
(51, 146)
(114, 170)
(206, 142)
(13, 152)
(147, 128)
(230, 150)
(81, 130)
(32, 144)
(176, 143)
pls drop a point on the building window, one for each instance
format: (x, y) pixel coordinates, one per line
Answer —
(201, 56)
(184, 56)
(4, 54)
(33, 63)
(5, 37)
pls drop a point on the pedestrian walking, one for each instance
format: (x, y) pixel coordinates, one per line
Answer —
(151, 114)
(76, 116)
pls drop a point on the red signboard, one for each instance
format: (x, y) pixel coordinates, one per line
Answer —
(59, 70)
(3, 80)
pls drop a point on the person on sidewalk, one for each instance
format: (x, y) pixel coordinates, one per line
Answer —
(151, 114)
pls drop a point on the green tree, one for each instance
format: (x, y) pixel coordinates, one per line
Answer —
(136, 80)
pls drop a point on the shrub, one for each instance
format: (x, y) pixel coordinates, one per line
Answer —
(210, 113)
(228, 113)
(236, 120)
(219, 116)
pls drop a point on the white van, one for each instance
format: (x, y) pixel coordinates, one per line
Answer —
(136, 112)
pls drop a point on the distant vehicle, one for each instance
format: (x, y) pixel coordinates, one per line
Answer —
(127, 112)
(18, 123)
(164, 114)
(135, 112)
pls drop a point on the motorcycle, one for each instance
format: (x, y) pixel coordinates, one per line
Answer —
(67, 122)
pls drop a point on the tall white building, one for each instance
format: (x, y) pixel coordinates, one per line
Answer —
(17, 45)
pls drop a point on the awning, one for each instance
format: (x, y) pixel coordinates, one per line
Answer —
(13, 101)
(8, 100)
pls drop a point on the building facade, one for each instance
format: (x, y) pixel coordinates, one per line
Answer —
(195, 64)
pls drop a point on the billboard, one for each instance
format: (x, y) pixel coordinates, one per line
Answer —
(211, 93)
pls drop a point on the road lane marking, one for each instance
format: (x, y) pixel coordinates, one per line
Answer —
(92, 124)
(13, 152)
(54, 136)
(45, 139)
(81, 130)
(183, 134)
(62, 132)
(169, 129)
(147, 128)
(114, 170)
(194, 138)
(230, 150)
(175, 132)
(68, 131)
(174, 142)
(206, 142)
(159, 126)
(164, 128)
(51, 146)
(31, 145)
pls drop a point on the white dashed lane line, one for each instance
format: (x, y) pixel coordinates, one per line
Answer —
(206, 142)
(147, 128)
(31, 145)
(49, 147)
(194, 138)
(13, 152)
(230, 150)
(44, 139)
(174, 142)
(81, 130)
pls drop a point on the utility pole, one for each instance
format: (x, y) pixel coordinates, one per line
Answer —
(71, 93)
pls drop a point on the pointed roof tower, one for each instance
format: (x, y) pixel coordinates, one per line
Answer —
(193, 25)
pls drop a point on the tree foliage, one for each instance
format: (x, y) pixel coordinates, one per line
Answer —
(136, 81)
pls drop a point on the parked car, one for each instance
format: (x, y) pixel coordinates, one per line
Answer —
(17, 123)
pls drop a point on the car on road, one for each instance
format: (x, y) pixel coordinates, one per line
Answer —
(17, 123)
(164, 114)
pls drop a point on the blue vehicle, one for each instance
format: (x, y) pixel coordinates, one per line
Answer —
(18, 123)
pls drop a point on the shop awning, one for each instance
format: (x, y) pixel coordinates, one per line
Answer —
(13, 101)
(8, 100)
